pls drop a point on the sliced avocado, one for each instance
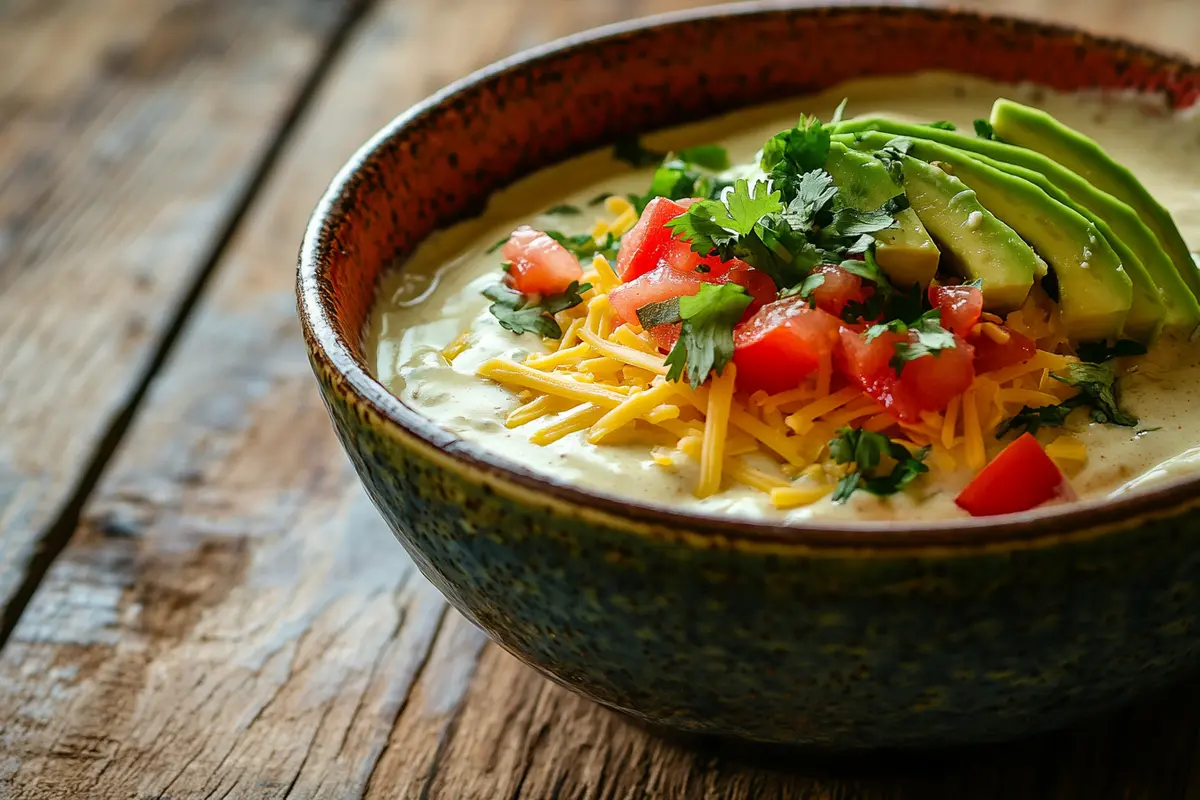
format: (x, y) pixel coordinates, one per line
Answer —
(982, 246)
(1095, 292)
(1182, 308)
(906, 253)
(1036, 130)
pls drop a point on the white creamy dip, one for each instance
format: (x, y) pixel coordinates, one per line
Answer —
(436, 296)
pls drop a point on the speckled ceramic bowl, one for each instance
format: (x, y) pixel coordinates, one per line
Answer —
(838, 636)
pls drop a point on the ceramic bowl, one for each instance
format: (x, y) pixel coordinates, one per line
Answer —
(837, 636)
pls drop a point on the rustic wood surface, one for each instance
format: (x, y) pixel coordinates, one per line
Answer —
(230, 618)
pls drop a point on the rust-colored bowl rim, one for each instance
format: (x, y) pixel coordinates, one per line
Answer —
(1037, 527)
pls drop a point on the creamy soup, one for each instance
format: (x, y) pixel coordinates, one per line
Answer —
(436, 296)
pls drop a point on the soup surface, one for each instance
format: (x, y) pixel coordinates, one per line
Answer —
(437, 296)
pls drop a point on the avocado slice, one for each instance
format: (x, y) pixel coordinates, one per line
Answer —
(906, 253)
(1182, 309)
(1036, 130)
(982, 246)
(1096, 294)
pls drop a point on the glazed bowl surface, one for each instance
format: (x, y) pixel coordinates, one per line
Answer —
(834, 635)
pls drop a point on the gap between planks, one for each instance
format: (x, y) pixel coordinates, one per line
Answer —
(59, 531)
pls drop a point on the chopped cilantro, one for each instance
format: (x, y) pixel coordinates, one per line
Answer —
(631, 151)
(710, 156)
(931, 340)
(1033, 419)
(1099, 352)
(814, 192)
(744, 224)
(706, 337)
(600, 198)
(805, 289)
(1097, 384)
(942, 125)
(984, 129)
(584, 245)
(790, 154)
(866, 449)
(887, 301)
(521, 313)
(667, 312)
(564, 210)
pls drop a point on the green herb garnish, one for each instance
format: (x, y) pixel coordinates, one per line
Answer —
(564, 210)
(522, 313)
(984, 130)
(706, 338)
(1097, 384)
(866, 449)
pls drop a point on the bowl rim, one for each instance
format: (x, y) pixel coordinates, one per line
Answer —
(1084, 518)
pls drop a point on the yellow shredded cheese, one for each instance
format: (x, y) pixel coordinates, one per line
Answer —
(716, 426)
(637, 405)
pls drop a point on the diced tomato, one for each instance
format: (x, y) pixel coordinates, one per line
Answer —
(1020, 478)
(665, 336)
(759, 285)
(927, 383)
(662, 283)
(782, 344)
(991, 355)
(648, 242)
(839, 288)
(540, 265)
(931, 382)
(961, 306)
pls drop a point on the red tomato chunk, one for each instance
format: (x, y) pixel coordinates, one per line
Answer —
(1020, 478)
(992, 355)
(961, 307)
(654, 287)
(927, 383)
(782, 344)
(839, 288)
(540, 265)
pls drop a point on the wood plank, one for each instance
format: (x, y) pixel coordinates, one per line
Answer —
(232, 618)
(130, 131)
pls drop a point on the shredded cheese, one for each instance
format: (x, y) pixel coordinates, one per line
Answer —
(605, 379)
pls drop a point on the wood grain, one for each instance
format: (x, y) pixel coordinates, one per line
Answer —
(130, 131)
(232, 619)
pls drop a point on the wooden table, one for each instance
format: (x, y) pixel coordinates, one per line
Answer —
(196, 598)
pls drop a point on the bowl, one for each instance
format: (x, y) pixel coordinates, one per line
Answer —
(833, 636)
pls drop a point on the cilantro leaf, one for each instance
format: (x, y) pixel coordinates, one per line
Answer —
(1097, 384)
(710, 156)
(790, 154)
(814, 192)
(706, 336)
(984, 130)
(665, 313)
(584, 245)
(1099, 352)
(600, 198)
(931, 339)
(745, 224)
(630, 150)
(1033, 419)
(866, 450)
(564, 209)
(805, 289)
(521, 313)
(942, 125)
